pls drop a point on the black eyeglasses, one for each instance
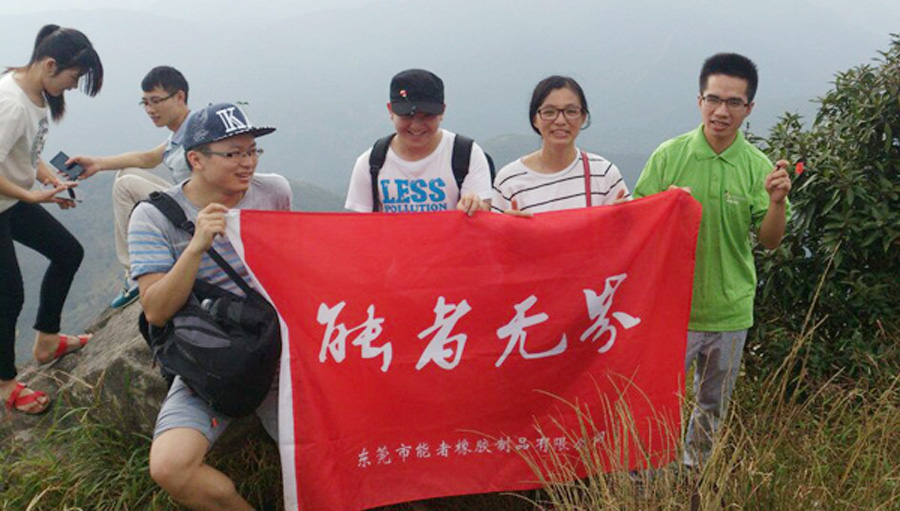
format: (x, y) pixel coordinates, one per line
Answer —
(155, 101)
(236, 155)
(550, 113)
(714, 101)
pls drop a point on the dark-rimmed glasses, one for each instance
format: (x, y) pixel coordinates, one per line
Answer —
(713, 102)
(571, 113)
(236, 155)
(154, 101)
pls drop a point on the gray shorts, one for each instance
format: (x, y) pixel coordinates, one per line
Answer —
(184, 409)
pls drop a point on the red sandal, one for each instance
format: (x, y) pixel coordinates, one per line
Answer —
(62, 348)
(16, 400)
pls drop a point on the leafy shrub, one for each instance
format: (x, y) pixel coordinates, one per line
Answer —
(839, 266)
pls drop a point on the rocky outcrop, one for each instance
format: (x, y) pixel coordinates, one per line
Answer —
(113, 374)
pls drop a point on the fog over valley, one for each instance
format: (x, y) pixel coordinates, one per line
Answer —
(319, 72)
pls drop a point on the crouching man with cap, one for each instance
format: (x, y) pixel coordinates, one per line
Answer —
(413, 169)
(220, 149)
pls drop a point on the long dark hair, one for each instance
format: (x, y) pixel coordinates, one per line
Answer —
(70, 49)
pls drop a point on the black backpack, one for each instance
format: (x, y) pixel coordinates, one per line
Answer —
(462, 153)
(225, 347)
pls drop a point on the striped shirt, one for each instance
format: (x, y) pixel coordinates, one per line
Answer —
(536, 192)
(154, 243)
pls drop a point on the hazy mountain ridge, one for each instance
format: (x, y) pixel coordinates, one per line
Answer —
(100, 276)
(322, 76)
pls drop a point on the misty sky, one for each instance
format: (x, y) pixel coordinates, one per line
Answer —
(319, 70)
(273, 7)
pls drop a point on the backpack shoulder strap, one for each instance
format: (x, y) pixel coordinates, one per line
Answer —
(172, 210)
(376, 161)
(462, 154)
(491, 167)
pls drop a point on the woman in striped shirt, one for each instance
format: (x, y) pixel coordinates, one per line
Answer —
(559, 175)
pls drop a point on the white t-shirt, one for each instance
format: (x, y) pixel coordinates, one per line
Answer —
(418, 186)
(23, 129)
(536, 192)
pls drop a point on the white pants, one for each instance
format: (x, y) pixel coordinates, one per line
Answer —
(131, 186)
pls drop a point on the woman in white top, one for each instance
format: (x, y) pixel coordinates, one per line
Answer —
(558, 175)
(62, 58)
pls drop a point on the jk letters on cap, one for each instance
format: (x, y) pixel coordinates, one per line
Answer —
(218, 122)
(417, 90)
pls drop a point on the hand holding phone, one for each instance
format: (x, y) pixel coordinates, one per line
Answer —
(73, 171)
(69, 195)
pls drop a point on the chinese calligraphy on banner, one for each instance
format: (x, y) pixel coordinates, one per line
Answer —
(425, 354)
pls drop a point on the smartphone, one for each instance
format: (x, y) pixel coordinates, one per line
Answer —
(73, 171)
(69, 194)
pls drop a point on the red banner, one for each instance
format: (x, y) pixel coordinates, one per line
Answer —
(432, 354)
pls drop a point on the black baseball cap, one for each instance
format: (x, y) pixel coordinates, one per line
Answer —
(417, 90)
(218, 122)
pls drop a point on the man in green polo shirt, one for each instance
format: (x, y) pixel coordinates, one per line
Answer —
(741, 193)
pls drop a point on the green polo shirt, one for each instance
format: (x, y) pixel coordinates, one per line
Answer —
(731, 188)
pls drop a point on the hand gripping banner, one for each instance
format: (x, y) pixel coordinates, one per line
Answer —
(434, 354)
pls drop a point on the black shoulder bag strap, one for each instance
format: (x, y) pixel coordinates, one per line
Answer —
(170, 208)
(376, 161)
(491, 167)
(462, 154)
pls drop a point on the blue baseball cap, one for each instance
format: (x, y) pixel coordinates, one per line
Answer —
(218, 122)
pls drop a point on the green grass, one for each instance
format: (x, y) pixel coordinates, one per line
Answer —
(823, 445)
(79, 463)
(83, 463)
